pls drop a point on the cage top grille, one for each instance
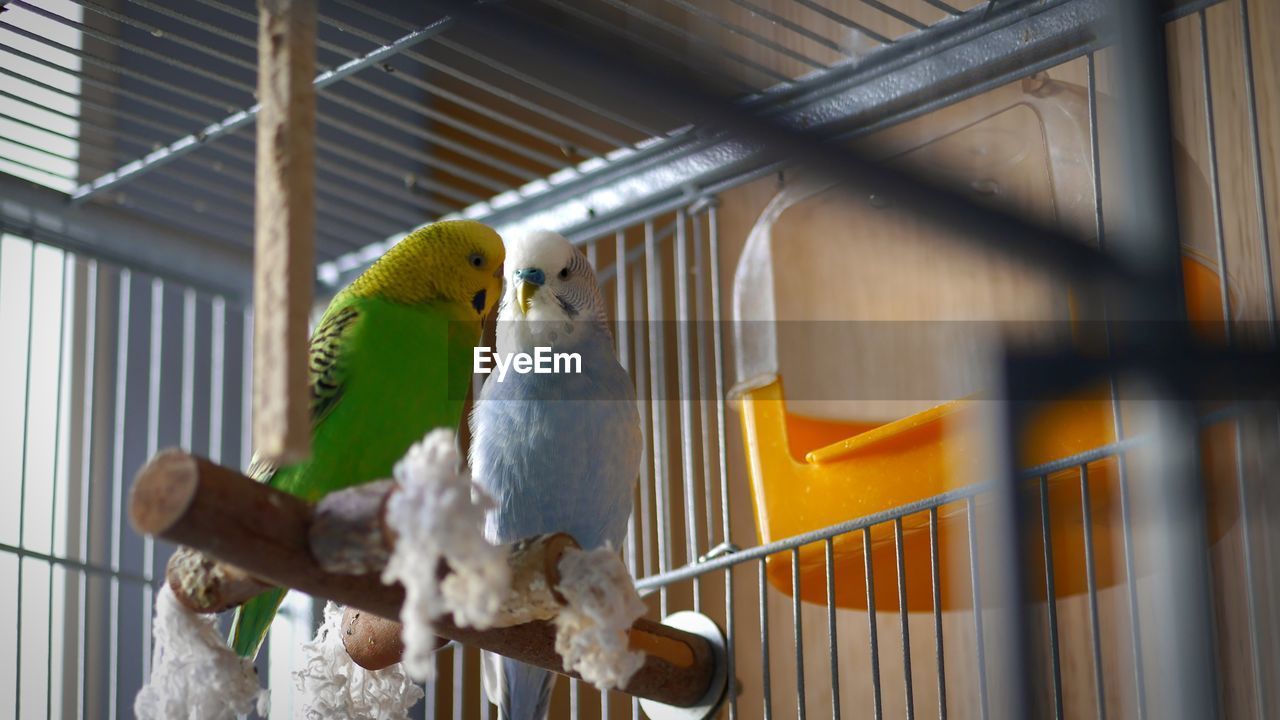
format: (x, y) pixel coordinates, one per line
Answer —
(147, 105)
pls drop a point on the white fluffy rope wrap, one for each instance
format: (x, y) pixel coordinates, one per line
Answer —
(591, 631)
(335, 688)
(438, 514)
(194, 674)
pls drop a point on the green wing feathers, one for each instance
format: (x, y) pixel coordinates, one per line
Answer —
(382, 374)
(327, 371)
(253, 619)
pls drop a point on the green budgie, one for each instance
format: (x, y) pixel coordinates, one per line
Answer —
(390, 360)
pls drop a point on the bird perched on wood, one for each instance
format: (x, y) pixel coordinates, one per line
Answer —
(390, 360)
(557, 451)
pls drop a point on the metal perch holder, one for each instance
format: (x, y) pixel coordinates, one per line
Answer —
(250, 537)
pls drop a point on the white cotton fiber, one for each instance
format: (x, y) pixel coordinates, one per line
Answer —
(591, 631)
(335, 688)
(194, 674)
(437, 514)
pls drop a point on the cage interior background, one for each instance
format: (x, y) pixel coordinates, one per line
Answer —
(841, 530)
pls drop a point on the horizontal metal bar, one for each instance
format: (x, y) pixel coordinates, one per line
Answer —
(479, 84)
(1179, 11)
(74, 564)
(578, 100)
(241, 118)
(891, 81)
(794, 27)
(114, 67)
(165, 59)
(110, 234)
(894, 13)
(944, 7)
(328, 193)
(846, 21)
(816, 536)
(694, 38)
(676, 171)
(801, 136)
(90, 81)
(755, 37)
(692, 64)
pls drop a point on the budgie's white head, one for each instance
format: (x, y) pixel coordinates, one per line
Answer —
(551, 297)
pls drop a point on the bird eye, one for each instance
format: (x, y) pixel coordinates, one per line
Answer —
(476, 260)
(564, 273)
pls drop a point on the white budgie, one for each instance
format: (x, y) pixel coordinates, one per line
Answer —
(560, 451)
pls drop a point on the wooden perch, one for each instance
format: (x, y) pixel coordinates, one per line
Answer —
(284, 228)
(275, 537)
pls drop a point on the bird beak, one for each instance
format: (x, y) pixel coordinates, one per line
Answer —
(524, 295)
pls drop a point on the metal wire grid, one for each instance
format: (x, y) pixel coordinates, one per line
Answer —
(415, 121)
(640, 293)
(683, 503)
(137, 363)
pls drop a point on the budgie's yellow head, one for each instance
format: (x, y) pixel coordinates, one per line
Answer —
(453, 261)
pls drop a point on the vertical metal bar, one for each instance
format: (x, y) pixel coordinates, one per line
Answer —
(429, 689)
(1086, 509)
(832, 643)
(573, 699)
(459, 679)
(934, 571)
(700, 338)
(1135, 628)
(764, 640)
(1174, 522)
(64, 330)
(593, 255)
(153, 441)
(604, 704)
(1259, 681)
(623, 338)
(797, 631)
(974, 580)
(86, 475)
(217, 374)
(621, 298)
(646, 427)
(1149, 240)
(1224, 294)
(1172, 491)
(657, 368)
(117, 483)
(1050, 596)
(904, 617)
(684, 361)
(1259, 187)
(186, 423)
(22, 478)
(1211, 138)
(869, 572)
(717, 343)
(246, 388)
(1095, 150)
(731, 643)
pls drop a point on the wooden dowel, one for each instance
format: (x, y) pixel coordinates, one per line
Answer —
(267, 533)
(284, 229)
(205, 585)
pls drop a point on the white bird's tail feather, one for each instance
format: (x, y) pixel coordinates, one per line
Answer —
(521, 692)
